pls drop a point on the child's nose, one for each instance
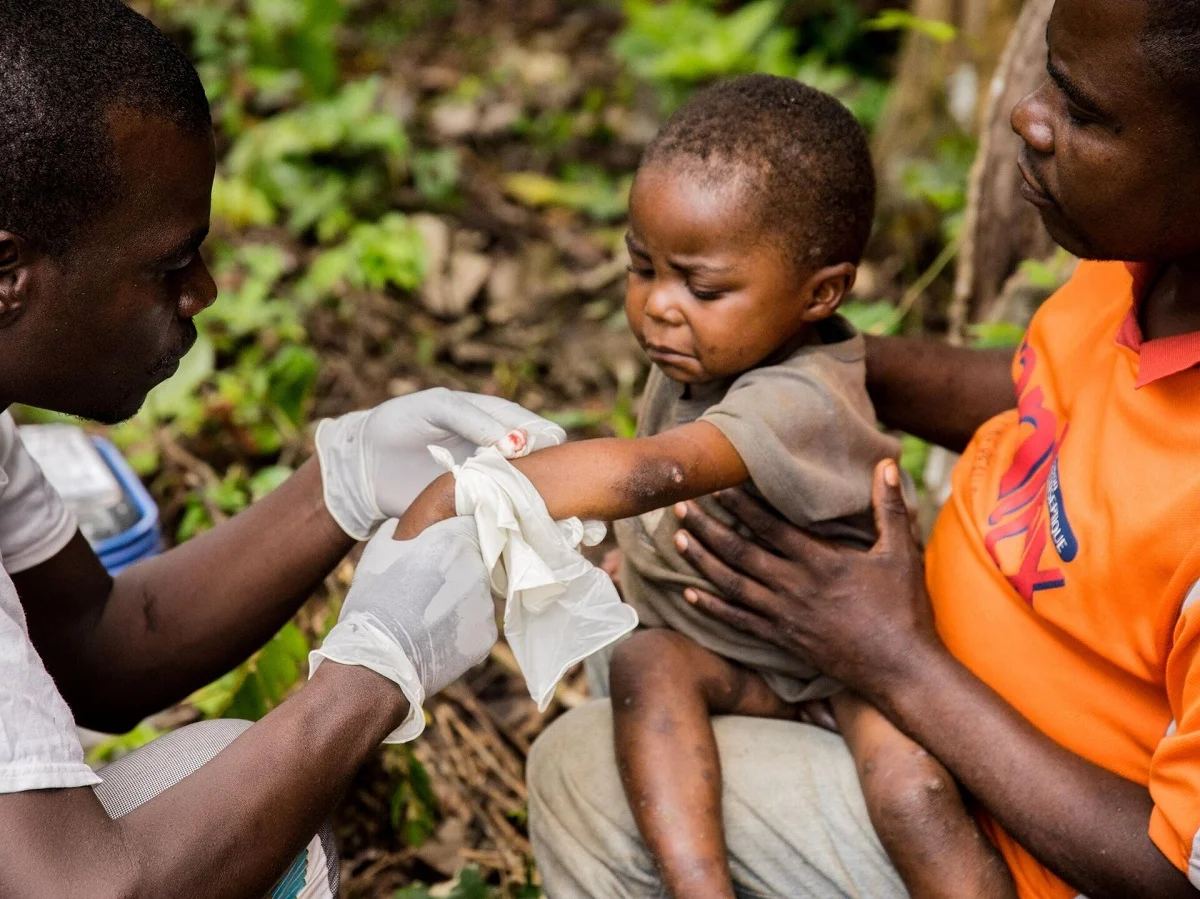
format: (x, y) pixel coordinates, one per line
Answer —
(661, 306)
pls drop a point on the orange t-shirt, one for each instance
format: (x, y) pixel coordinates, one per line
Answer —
(1064, 571)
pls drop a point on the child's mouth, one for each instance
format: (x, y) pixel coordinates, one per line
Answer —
(662, 354)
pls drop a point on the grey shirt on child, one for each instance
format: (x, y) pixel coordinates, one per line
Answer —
(805, 429)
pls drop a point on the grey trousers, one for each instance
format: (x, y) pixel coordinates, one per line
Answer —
(142, 775)
(795, 822)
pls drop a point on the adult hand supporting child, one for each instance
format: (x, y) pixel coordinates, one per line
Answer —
(810, 597)
(866, 618)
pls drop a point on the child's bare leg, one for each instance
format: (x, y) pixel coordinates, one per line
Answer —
(918, 812)
(664, 688)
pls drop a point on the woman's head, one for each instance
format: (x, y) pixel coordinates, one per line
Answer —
(748, 216)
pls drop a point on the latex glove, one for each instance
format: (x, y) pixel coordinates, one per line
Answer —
(419, 612)
(375, 462)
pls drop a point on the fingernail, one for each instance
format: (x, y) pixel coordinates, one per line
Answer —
(891, 475)
(681, 510)
(691, 596)
(681, 540)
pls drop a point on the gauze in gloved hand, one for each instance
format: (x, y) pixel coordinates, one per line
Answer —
(419, 612)
(374, 462)
(560, 607)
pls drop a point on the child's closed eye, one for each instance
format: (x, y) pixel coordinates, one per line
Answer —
(702, 292)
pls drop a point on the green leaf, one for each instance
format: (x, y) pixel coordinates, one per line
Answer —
(435, 174)
(258, 685)
(413, 805)
(683, 42)
(413, 892)
(239, 204)
(179, 395)
(914, 455)
(879, 317)
(214, 699)
(903, 20)
(265, 480)
(471, 885)
(114, 747)
(387, 253)
(292, 377)
(994, 335)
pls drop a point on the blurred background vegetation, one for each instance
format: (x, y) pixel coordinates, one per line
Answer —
(431, 192)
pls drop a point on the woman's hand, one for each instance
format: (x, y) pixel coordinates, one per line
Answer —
(862, 617)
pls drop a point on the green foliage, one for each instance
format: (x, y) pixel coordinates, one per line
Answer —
(413, 807)
(469, 885)
(678, 45)
(584, 188)
(914, 456)
(435, 175)
(254, 688)
(903, 20)
(683, 42)
(113, 748)
(322, 164)
(387, 253)
(879, 317)
(281, 49)
(995, 335)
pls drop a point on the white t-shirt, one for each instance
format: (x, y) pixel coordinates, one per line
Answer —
(39, 747)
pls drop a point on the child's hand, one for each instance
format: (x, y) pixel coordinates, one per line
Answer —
(435, 503)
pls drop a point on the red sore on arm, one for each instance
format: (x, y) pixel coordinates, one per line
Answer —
(610, 479)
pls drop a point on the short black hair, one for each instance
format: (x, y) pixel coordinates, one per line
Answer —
(806, 156)
(64, 64)
(1171, 43)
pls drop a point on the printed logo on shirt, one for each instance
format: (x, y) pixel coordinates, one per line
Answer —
(1061, 534)
(1028, 518)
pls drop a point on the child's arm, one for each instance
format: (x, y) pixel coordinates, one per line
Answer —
(608, 479)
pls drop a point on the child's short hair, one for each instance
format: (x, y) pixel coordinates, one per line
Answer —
(806, 156)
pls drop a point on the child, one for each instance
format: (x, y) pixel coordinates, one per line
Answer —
(748, 216)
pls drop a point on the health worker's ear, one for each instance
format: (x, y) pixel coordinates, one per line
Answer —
(826, 289)
(16, 259)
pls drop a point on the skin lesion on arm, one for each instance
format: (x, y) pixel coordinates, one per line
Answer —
(609, 478)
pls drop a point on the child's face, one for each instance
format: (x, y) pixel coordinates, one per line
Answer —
(709, 295)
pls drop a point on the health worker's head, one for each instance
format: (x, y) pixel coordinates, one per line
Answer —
(107, 161)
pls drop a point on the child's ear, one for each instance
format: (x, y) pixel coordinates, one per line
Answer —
(827, 288)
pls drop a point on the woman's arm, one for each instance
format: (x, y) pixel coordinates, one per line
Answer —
(610, 478)
(936, 391)
(866, 619)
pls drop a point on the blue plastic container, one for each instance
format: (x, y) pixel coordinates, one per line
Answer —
(144, 539)
(116, 513)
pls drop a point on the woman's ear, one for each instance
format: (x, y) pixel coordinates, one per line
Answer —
(826, 288)
(14, 276)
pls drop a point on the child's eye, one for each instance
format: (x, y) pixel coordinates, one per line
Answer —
(701, 294)
(640, 272)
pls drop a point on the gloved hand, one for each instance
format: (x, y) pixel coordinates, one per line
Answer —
(375, 462)
(419, 612)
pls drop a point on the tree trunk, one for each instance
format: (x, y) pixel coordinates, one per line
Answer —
(1001, 229)
(941, 88)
